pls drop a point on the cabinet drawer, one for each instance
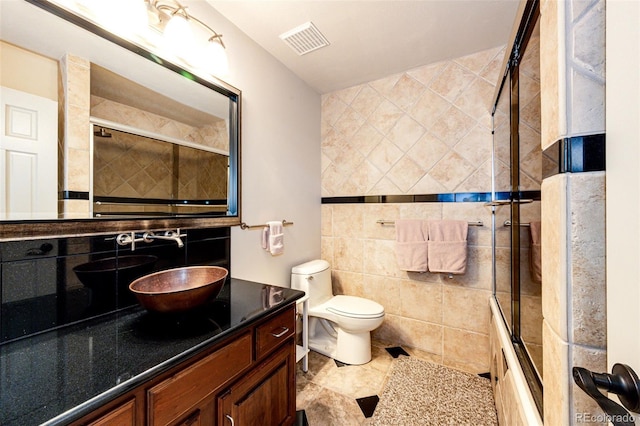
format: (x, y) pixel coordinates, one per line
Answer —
(275, 331)
(173, 397)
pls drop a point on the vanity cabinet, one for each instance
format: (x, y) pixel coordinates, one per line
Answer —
(247, 379)
(263, 397)
(181, 394)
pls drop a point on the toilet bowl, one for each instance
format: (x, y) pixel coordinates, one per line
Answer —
(339, 326)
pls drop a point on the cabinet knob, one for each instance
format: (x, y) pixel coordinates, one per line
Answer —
(230, 419)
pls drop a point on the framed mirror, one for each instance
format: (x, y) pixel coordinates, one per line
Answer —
(67, 85)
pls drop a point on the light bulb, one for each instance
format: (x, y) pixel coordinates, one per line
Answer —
(134, 18)
(123, 17)
(179, 37)
(214, 60)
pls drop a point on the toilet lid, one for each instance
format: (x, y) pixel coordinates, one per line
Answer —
(355, 307)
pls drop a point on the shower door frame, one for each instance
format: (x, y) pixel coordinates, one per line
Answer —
(509, 86)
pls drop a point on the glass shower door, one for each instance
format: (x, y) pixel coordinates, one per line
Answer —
(517, 179)
(530, 180)
(501, 203)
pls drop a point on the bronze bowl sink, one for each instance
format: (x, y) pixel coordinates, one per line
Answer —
(179, 289)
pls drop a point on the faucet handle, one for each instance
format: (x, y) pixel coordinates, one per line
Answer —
(148, 236)
(174, 234)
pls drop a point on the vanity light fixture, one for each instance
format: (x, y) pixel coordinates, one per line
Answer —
(163, 26)
(173, 20)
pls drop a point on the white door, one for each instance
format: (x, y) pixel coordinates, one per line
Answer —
(623, 183)
(28, 156)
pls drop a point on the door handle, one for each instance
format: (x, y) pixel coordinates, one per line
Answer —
(623, 382)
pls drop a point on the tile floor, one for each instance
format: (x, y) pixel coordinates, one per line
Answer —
(327, 393)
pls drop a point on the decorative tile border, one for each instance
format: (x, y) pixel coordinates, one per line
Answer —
(73, 195)
(576, 154)
(460, 197)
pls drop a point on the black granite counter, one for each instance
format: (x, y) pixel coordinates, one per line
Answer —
(61, 375)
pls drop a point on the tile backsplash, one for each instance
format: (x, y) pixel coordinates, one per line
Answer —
(40, 290)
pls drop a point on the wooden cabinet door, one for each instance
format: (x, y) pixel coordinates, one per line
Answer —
(194, 419)
(185, 391)
(123, 415)
(266, 396)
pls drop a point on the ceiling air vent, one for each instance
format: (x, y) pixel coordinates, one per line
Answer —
(304, 39)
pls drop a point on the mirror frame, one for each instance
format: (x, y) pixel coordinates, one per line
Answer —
(31, 229)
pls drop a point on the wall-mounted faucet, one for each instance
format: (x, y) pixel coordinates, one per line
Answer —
(168, 235)
(149, 236)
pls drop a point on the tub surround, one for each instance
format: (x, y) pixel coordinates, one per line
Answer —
(59, 376)
(514, 401)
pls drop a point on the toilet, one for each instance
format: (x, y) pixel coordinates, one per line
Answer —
(339, 326)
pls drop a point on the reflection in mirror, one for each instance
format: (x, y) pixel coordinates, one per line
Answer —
(89, 80)
(140, 176)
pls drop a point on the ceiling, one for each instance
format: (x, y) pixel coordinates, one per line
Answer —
(371, 39)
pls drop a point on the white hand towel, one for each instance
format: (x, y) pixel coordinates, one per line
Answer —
(265, 238)
(276, 238)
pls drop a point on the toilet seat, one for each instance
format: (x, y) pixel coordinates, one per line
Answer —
(354, 307)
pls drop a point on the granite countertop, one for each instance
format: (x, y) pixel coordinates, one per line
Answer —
(59, 376)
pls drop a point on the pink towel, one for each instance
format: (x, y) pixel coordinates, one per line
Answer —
(535, 252)
(411, 245)
(447, 246)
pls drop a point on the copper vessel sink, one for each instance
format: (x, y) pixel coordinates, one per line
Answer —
(180, 289)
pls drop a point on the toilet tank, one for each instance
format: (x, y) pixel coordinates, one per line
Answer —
(314, 278)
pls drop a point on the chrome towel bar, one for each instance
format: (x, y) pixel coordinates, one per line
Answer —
(508, 223)
(393, 222)
(245, 226)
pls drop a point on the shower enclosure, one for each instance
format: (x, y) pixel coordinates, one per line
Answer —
(517, 176)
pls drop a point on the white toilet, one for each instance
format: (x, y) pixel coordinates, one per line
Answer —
(339, 326)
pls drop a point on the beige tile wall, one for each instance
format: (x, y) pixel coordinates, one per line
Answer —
(572, 42)
(75, 145)
(446, 317)
(424, 131)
